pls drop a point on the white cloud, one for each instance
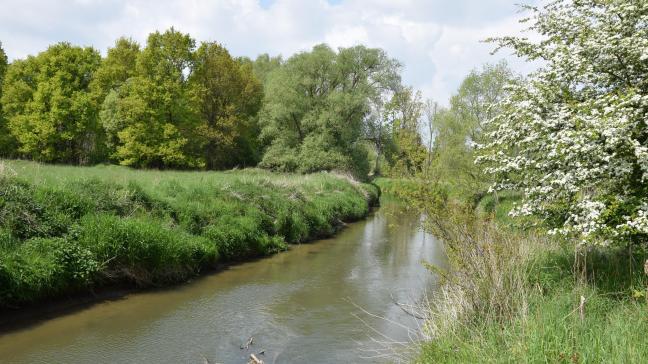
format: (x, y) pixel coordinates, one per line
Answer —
(437, 41)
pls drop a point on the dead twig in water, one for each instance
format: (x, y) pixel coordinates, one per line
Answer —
(249, 343)
(402, 307)
(255, 360)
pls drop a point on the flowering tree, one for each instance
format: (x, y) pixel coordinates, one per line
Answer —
(573, 136)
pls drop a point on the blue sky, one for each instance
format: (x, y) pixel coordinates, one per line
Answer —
(438, 41)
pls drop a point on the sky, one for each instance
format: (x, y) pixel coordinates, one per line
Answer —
(438, 41)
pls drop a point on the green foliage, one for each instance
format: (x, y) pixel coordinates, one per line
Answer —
(240, 237)
(66, 229)
(228, 97)
(457, 129)
(48, 106)
(42, 267)
(4, 63)
(315, 106)
(477, 98)
(168, 105)
(514, 296)
(405, 154)
(155, 118)
(180, 107)
(7, 141)
(116, 68)
(263, 66)
(144, 250)
(175, 104)
(152, 117)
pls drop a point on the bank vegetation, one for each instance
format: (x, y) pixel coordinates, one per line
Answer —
(66, 230)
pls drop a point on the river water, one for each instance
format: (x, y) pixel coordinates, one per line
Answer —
(331, 301)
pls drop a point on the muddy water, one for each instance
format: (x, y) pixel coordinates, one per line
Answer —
(331, 301)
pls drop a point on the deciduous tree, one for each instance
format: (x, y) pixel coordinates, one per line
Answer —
(7, 140)
(316, 104)
(227, 97)
(48, 105)
(573, 137)
(151, 113)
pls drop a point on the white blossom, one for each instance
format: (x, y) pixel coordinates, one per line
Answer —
(573, 137)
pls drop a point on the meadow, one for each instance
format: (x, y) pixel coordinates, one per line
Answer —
(67, 229)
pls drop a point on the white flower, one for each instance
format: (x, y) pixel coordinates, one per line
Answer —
(572, 136)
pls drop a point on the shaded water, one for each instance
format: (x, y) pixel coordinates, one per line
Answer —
(305, 305)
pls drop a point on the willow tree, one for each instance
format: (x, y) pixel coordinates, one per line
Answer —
(458, 129)
(403, 112)
(315, 106)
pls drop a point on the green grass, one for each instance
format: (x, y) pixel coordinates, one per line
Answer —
(539, 319)
(611, 332)
(612, 329)
(70, 229)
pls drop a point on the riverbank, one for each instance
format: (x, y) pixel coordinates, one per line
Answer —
(284, 301)
(68, 230)
(524, 297)
(516, 294)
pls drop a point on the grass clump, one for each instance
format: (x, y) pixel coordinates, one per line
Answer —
(71, 229)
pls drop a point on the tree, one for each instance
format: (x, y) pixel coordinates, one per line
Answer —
(3, 64)
(7, 141)
(573, 137)
(263, 65)
(116, 68)
(477, 97)
(458, 129)
(151, 115)
(315, 106)
(228, 97)
(403, 113)
(431, 109)
(378, 132)
(48, 106)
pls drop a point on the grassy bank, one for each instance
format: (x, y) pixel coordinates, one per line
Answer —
(518, 295)
(521, 297)
(71, 229)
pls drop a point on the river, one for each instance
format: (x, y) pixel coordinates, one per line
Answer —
(330, 301)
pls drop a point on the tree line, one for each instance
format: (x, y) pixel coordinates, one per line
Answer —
(176, 103)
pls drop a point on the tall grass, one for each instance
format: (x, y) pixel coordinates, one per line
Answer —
(67, 229)
(516, 296)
